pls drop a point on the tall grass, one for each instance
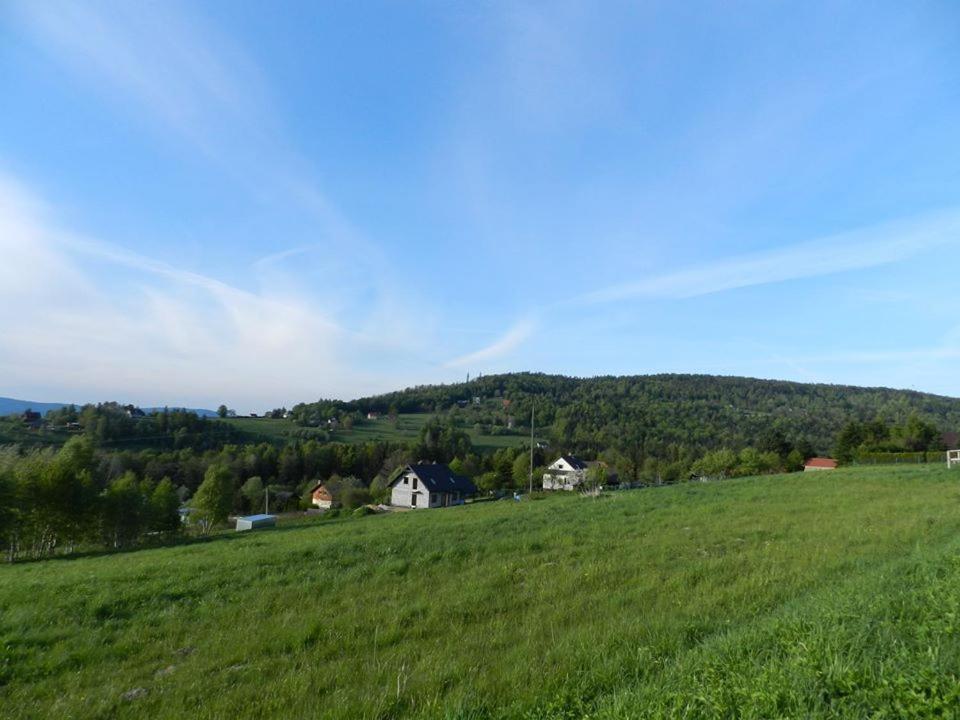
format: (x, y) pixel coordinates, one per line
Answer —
(823, 595)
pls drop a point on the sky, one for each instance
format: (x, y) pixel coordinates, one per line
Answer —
(261, 204)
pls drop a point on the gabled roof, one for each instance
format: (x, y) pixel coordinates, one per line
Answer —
(574, 462)
(821, 462)
(437, 477)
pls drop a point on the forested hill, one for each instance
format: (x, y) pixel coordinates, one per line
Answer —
(699, 410)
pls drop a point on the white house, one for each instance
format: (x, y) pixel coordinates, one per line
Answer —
(565, 473)
(568, 472)
(427, 485)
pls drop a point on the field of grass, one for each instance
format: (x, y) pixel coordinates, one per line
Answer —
(824, 595)
(405, 429)
(265, 429)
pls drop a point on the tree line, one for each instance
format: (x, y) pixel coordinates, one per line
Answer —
(879, 436)
(112, 424)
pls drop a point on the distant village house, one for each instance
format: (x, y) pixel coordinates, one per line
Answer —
(430, 485)
(569, 472)
(820, 463)
(321, 496)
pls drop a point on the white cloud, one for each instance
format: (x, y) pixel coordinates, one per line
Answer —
(83, 319)
(502, 346)
(857, 250)
(287, 341)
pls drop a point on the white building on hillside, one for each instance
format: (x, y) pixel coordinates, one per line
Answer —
(569, 472)
(430, 485)
(565, 473)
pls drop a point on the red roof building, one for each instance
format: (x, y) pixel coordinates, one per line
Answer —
(322, 497)
(820, 463)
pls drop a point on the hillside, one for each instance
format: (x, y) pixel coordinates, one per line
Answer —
(405, 428)
(10, 406)
(760, 597)
(693, 410)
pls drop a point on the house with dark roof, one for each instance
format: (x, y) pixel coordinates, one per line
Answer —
(430, 485)
(32, 420)
(568, 472)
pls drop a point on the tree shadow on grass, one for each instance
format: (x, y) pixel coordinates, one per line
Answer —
(220, 536)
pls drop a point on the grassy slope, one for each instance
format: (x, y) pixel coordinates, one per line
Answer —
(406, 429)
(823, 596)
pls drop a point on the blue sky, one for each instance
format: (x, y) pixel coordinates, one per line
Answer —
(266, 203)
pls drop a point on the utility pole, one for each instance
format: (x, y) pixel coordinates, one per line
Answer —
(266, 500)
(531, 447)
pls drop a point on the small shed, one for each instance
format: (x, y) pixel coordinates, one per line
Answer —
(820, 463)
(255, 522)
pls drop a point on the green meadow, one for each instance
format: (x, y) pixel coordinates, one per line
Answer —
(808, 595)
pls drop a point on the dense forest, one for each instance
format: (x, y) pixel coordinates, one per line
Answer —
(696, 411)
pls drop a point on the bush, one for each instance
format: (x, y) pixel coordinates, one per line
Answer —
(354, 497)
(363, 510)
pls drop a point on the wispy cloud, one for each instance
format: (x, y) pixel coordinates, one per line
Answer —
(845, 252)
(84, 316)
(190, 83)
(173, 68)
(929, 366)
(170, 62)
(502, 346)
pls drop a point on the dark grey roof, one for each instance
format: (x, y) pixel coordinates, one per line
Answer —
(437, 477)
(574, 462)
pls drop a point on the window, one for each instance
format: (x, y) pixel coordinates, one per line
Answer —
(433, 499)
(413, 501)
(405, 480)
(414, 483)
